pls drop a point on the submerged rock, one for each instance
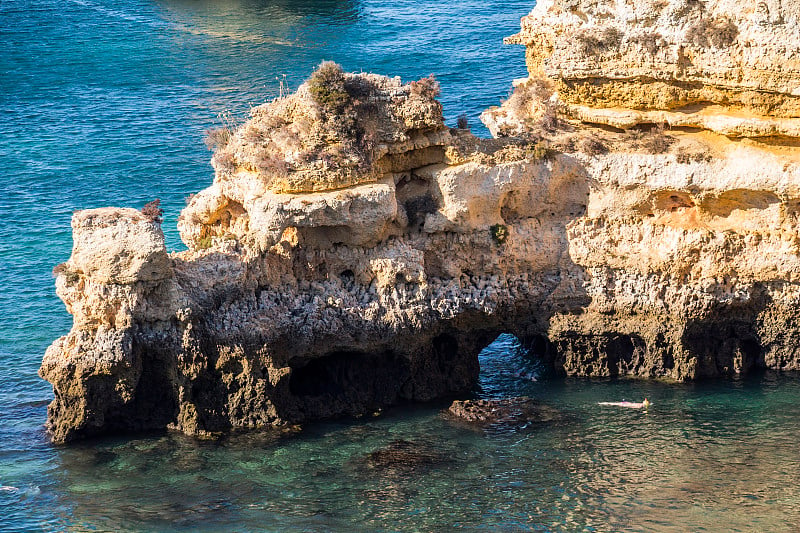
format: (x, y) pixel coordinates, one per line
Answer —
(508, 412)
(404, 457)
(353, 252)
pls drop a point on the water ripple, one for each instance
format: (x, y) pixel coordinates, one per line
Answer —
(105, 102)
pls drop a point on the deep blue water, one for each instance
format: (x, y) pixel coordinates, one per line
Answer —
(105, 102)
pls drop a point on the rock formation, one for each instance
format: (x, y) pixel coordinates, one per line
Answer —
(508, 413)
(636, 214)
(402, 458)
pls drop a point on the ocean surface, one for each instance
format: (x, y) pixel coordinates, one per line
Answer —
(105, 102)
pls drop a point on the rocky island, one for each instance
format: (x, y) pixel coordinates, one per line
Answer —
(635, 214)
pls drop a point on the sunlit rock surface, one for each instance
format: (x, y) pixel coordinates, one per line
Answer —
(729, 66)
(636, 215)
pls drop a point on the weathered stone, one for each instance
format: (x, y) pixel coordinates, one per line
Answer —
(731, 67)
(302, 162)
(505, 413)
(402, 457)
(339, 290)
(671, 55)
(118, 246)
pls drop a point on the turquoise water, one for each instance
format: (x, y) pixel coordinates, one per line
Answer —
(105, 102)
(718, 457)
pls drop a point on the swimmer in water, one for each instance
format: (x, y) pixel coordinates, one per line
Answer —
(632, 405)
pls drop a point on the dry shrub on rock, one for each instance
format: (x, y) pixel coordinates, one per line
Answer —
(697, 154)
(217, 138)
(348, 106)
(327, 87)
(329, 132)
(655, 140)
(592, 146)
(649, 41)
(425, 87)
(153, 211)
(533, 103)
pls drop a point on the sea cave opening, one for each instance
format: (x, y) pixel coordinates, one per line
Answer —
(510, 367)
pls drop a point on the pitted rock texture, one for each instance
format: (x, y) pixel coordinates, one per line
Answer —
(375, 269)
(730, 66)
(323, 160)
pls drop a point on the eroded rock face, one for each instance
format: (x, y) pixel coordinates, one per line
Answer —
(730, 66)
(689, 244)
(112, 372)
(334, 271)
(324, 160)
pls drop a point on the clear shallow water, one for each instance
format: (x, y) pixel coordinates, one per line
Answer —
(703, 458)
(105, 102)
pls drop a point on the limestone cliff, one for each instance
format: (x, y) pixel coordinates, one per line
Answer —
(683, 114)
(636, 214)
(729, 66)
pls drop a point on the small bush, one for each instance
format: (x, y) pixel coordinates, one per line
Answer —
(426, 87)
(224, 161)
(718, 33)
(565, 145)
(361, 90)
(660, 5)
(350, 110)
(271, 163)
(657, 143)
(654, 141)
(253, 134)
(541, 151)
(499, 233)
(550, 121)
(688, 7)
(327, 89)
(153, 211)
(462, 122)
(532, 103)
(611, 37)
(217, 138)
(538, 152)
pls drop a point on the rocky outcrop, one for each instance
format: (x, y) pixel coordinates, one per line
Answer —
(113, 371)
(729, 66)
(509, 413)
(683, 114)
(353, 252)
(322, 161)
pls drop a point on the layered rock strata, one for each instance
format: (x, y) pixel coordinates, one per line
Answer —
(353, 252)
(729, 66)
